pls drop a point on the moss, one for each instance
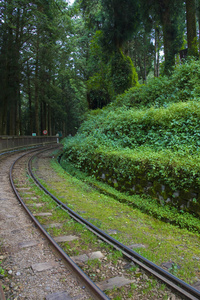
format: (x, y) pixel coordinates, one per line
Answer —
(128, 170)
(123, 73)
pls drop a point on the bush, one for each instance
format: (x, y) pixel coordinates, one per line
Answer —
(176, 127)
(182, 85)
(151, 150)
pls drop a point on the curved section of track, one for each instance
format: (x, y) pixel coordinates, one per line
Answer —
(178, 285)
(175, 283)
(22, 247)
(96, 292)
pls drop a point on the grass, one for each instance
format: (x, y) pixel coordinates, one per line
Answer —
(2, 271)
(163, 242)
(145, 204)
(115, 256)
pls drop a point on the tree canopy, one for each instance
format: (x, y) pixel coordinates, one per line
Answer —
(57, 61)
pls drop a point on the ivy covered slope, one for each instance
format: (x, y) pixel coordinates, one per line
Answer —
(154, 150)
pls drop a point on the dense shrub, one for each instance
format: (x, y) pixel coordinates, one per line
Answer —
(176, 127)
(151, 150)
(183, 84)
(165, 174)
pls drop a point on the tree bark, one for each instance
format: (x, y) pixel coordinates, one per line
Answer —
(37, 109)
(168, 39)
(49, 121)
(30, 129)
(191, 27)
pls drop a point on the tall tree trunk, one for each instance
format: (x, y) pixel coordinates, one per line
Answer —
(4, 91)
(156, 54)
(191, 27)
(198, 10)
(4, 118)
(12, 120)
(37, 109)
(199, 27)
(42, 116)
(17, 98)
(49, 121)
(145, 71)
(46, 116)
(158, 63)
(20, 118)
(30, 130)
(63, 129)
(17, 74)
(168, 39)
(14, 76)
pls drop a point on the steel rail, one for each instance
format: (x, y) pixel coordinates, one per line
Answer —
(94, 289)
(174, 282)
(22, 149)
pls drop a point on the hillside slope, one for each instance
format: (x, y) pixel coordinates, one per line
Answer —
(152, 151)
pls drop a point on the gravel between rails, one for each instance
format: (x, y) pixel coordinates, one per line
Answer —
(23, 247)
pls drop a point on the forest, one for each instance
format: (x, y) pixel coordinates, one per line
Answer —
(59, 62)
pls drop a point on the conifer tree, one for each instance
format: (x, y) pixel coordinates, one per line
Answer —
(191, 27)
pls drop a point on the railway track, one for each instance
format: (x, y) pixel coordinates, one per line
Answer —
(130, 257)
(32, 270)
(19, 165)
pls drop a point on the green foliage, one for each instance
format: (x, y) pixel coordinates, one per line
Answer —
(142, 51)
(98, 83)
(172, 17)
(182, 85)
(119, 21)
(146, 204)
(178, 171)
(122, 72)
(2, 271)
(175, 128)
(113, 74)
(193, 51)
(153, 150)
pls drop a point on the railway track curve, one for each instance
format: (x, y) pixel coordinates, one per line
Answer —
(184, 290)
(33, 270)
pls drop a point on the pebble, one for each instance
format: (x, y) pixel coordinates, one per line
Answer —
(12, 284)
(145, 277)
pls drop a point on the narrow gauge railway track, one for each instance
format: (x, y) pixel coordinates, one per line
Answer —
(185, 290)
(17, 170)
(23, 248)
(5, 154)
(14, 223)
(175, 283)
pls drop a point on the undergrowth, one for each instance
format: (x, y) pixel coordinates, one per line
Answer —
(149, 135)
(146, 204)
(182, 84)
